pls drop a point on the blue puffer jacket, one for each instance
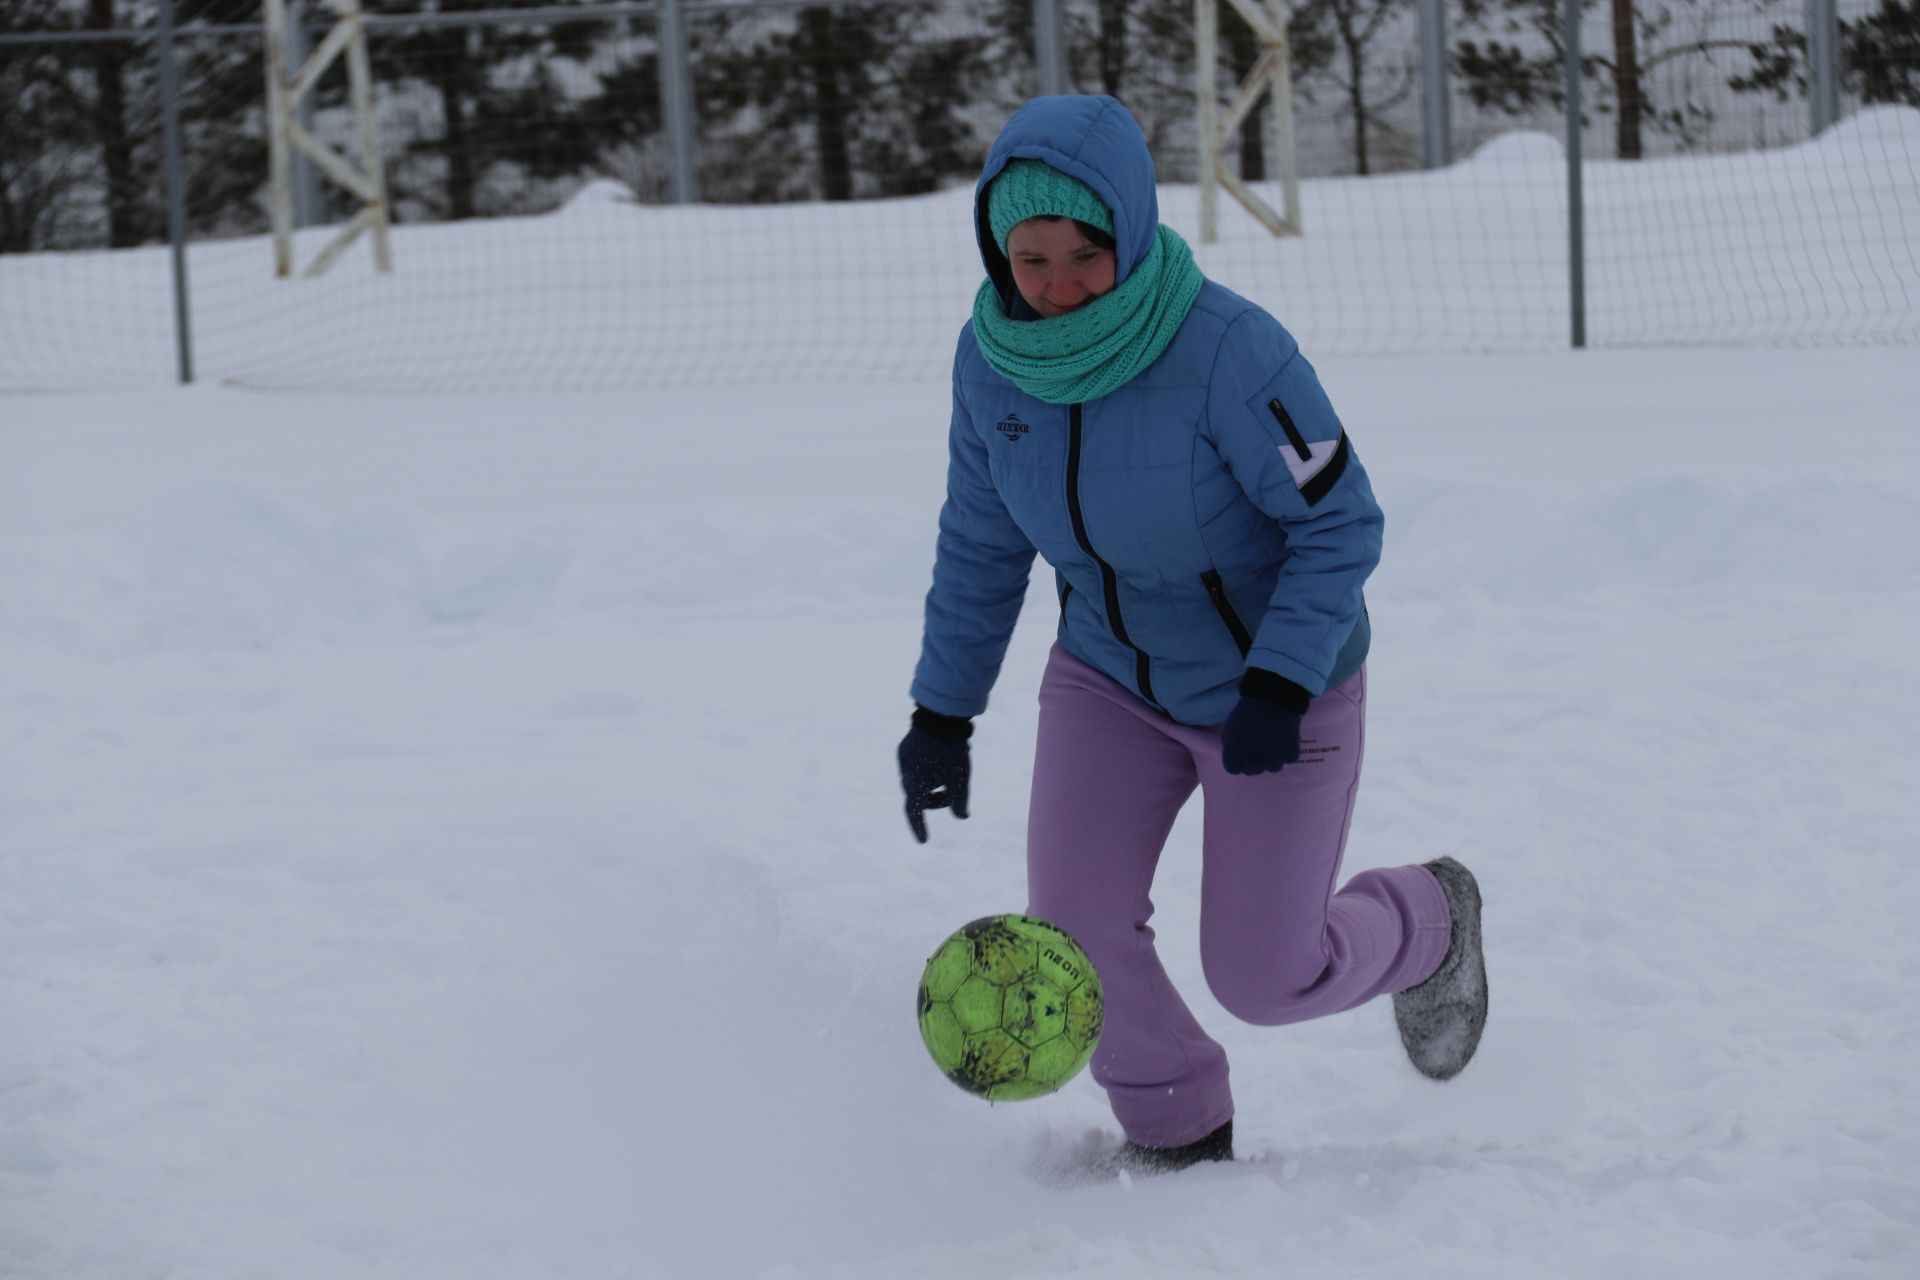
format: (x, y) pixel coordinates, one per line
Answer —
(1207, 517)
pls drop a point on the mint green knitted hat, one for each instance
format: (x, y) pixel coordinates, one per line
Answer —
(1034, 189)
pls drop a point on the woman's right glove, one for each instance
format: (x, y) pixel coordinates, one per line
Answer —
(934, 766)
(1262, 733)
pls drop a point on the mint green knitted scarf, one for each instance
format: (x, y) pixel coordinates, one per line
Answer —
(1097, 348)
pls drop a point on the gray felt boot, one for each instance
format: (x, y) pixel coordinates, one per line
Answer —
(1441, 1019)
(1217, 1145)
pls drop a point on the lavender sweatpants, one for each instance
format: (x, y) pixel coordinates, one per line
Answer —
(1277, 943)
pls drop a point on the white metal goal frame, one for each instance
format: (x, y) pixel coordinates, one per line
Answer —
(286, 134)
(1271, 75)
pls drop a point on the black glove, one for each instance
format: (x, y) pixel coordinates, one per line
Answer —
(1262, 732)
(934, 766)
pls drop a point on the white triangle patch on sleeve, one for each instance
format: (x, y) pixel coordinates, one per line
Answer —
(1305, 469)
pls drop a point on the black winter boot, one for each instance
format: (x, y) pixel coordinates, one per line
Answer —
(1217, 1145)
(1442, 1018)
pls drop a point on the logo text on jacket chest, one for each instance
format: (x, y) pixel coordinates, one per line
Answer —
(1011, 427)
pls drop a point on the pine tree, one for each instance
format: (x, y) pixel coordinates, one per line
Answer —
(1142, 52)
(1880, 58)
(1526, 71)
(503, 116)
(80, 156)
(827, 103)
(1349, 29)
(41, 129)
(1883, 53)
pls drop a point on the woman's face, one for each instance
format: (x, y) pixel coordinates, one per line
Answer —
(1055, 267)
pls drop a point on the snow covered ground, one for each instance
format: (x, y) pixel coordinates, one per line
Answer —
(456, 838)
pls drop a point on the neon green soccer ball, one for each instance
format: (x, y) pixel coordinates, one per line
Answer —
(1010, 1008)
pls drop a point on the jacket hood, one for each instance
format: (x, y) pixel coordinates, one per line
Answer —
(1090, 137)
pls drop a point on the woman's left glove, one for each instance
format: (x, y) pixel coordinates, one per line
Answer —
(1262, 732)
(934, 767)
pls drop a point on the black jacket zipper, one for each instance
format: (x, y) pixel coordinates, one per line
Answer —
(1224, 607)
(1109, 581)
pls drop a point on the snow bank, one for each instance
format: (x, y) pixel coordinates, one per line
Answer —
(1805, 245)
(1520, 147)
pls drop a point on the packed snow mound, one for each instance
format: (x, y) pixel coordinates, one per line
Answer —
(1521, 147)
(1680, 530)
(597, 196)
(1890, 130)
(225, 566)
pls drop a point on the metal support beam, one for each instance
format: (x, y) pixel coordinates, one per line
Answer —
(1823, 65)
(1436, 97)
(287, 136)
(176, 193)
(1576, 196)
(1049, 47)
(1280, 118)
(1271, 74)
(676, 103)
(360, 94)
(307, 209)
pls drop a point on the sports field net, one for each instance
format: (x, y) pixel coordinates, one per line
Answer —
(529, 166)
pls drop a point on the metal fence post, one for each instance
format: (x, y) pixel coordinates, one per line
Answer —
(1576, 210)
(1049, 47)
(1436, 123)
(676, 102)
(176, 194)
(1823, 65)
